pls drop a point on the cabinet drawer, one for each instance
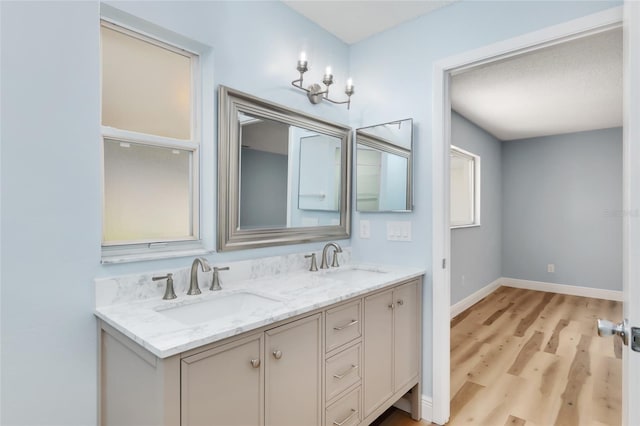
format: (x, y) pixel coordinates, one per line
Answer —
(343, 370)
(345, 411)
(343, 324)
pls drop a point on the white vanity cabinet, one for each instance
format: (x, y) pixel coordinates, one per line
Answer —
(270, 378)
(343, 364)
(224, 385)
(293, 373)
(392, 327)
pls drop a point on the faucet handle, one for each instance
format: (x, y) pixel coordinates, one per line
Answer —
(334, 261)
(168, 291)
(215, 282)
(314, 262)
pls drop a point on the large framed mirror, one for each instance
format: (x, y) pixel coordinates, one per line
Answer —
(384, 167)
(284, 177)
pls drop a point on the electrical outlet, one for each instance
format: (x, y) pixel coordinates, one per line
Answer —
(365, 229)
(551, 267)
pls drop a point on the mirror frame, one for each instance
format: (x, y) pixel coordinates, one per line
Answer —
(229, 234)
(384, 145)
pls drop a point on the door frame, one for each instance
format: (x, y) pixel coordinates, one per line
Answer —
(631, 202)
(441, 137)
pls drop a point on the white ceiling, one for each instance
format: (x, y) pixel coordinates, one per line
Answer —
(570, 87)
(355, 20)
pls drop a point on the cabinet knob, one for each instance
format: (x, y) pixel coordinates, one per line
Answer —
(391, 306)
(400, 302)
(277, 354)
(255, 363)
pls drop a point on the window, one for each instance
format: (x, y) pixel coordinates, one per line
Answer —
(151, 144)
(465, 188)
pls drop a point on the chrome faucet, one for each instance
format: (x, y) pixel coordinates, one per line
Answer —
(193, 283)
(336, 249)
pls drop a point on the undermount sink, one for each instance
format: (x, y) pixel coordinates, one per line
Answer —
(219, 307)
(355, 272)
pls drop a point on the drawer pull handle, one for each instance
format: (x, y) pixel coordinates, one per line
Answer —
(255, 363)
(353, 413)
(343, 375)
(342, 327)
(277, 354)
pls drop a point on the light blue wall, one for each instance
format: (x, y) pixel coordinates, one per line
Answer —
(51, 190)
(392, 74)
(393, 182)
(563, 205)
(263, 198)
(50, 170)
(476, 252)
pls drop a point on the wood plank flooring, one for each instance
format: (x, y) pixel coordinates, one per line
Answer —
(523, 357)
(534, 358)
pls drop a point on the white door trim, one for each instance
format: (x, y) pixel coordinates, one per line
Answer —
(631, 203)
(440, 165)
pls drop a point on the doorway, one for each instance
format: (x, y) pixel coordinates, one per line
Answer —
(442, 137)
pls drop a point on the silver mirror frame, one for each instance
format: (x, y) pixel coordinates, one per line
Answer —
(384, 145)
(229, 235)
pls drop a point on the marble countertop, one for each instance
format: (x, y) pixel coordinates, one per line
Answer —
(296, 293)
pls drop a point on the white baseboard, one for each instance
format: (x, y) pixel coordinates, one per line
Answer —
(474, 298)
(427, 407)
(572, 290)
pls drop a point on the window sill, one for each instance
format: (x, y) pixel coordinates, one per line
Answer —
(473, 225)
(113, 258)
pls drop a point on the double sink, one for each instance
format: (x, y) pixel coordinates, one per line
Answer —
(225, 305)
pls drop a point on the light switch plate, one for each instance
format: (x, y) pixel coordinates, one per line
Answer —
(399, 231)
(365, 229)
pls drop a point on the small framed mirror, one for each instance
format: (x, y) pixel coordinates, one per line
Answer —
(384, 167)
(283, 175)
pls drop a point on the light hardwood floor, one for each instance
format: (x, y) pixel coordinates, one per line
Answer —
(528, 357)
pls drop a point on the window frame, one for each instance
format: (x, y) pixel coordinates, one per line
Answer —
(476, 185)
(126, 251)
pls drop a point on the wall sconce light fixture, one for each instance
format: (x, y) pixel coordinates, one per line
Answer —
(314, 91)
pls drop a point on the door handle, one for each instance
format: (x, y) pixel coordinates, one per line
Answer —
(622, 329)
(607, 328)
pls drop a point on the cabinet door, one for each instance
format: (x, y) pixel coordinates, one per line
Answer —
(378, 350)
(406, 333)
(224, 386)
(293, 373)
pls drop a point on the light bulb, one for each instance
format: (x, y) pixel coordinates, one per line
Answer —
(303, 56)
(327, 72)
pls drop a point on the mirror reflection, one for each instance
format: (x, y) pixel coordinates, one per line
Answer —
(384, 167)
(283, 176)
(289, 176)
(319, 183)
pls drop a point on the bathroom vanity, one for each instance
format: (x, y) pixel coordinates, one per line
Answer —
(335, 347)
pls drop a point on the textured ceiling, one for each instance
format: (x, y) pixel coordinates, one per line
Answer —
(352, 21)
(570, 87)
